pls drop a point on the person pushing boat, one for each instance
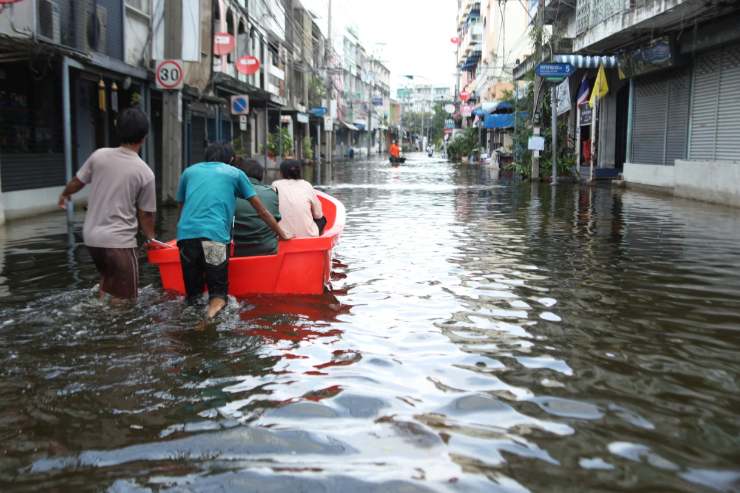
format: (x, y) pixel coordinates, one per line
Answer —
(207, 195)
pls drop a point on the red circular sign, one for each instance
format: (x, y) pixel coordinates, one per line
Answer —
(223, 43)
(248, 65)
(169, 74)
(464, 96)
(455, 40)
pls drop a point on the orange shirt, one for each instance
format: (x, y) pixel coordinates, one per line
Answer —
(395, 150)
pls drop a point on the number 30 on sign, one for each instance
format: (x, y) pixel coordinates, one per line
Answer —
(170, 74)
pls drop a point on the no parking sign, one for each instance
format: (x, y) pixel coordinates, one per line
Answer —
(240, 104)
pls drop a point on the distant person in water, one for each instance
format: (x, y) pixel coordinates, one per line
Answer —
(122, 200)
(300, 207)
(395, 153)
(252, 236)
(207, 195)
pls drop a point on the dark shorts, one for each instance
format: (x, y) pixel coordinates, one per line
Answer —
(204, 264)
(119, 271)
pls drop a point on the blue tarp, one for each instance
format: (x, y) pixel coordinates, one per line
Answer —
(492, 107)
(502, 120)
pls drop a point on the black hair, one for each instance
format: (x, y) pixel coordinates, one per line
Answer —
(291, 169)
(133, 126)
(219, 152)
(253, 169)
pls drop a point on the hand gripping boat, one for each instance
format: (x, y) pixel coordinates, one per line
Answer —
(301, 265)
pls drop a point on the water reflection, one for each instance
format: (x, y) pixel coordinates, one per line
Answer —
(479, 336)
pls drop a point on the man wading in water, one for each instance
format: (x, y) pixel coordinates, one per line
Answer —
(122, 199)
(207, 195)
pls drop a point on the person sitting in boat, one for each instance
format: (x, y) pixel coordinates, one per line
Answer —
(207, 195)
(395, 153)
(300, 208)
(252, 236)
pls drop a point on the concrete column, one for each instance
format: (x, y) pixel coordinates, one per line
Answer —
(2, 204)
(172, 107)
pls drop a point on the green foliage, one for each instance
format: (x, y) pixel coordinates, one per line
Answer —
(434, 122)
(463, 144)
(307, 148)
(280, 143)
(239, 148)
(316, 91)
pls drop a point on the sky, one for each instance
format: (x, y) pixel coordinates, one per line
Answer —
(411, 36)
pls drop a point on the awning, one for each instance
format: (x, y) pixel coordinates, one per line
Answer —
(487, 107)
(349, 126)
(502, 120)
(587, 61)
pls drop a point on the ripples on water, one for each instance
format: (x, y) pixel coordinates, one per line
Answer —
(480, 336)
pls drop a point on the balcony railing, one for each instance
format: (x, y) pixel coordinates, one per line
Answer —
(589, 13)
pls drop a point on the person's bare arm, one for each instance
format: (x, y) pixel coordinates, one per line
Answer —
(74, 186)
(268, 218)
(146, 223)
(316, 209)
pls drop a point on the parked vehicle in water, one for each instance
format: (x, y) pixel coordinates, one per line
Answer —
(301, 265)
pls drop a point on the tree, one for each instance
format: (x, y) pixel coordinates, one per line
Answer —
(434, 122)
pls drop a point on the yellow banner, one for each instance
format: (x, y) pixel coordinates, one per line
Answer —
(601, 88)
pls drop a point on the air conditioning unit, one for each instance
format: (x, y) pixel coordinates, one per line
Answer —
(97, 28)
(48, 26)
(90, 25)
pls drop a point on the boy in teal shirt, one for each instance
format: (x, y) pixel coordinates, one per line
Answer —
(207, 195)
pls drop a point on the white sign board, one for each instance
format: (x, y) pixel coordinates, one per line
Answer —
(243, 123)
(563, 97)
(536, 143)
(328, 123)
(170, 74)
(450, 108)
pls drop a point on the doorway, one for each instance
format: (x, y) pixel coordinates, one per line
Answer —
(620, 139)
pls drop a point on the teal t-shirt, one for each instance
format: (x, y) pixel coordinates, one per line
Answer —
(208, 192)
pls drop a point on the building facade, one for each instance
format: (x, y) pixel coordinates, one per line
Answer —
(68, 68)
(492, 38)
(670, 117)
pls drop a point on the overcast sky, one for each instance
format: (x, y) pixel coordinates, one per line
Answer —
(412, 36)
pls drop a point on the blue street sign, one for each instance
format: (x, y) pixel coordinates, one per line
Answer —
(239, 105)
(377, 101)
(318, 112)
(554, 70)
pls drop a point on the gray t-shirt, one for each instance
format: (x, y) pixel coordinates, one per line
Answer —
(120, 183)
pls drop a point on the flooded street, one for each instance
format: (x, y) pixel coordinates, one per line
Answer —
(480, 336)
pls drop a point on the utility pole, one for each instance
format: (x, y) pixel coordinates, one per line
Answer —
(370, 110)
(172, 106)
(540, 22)
(554, 139)
(327, 59)
(423, 110)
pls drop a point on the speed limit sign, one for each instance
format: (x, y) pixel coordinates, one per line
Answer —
(170, 74)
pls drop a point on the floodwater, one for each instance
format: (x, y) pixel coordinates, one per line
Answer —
(480, 336)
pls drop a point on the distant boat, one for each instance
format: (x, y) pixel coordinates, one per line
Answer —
(301, 265)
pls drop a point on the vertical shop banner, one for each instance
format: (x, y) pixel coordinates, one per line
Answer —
(563, 95)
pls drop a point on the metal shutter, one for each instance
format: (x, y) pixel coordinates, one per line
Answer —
(728, 114)
(661, 118)
(704, 106)
(649, 120)
(677, 131)
(29, 171)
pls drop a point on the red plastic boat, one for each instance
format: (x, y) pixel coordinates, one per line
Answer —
(301, 265)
